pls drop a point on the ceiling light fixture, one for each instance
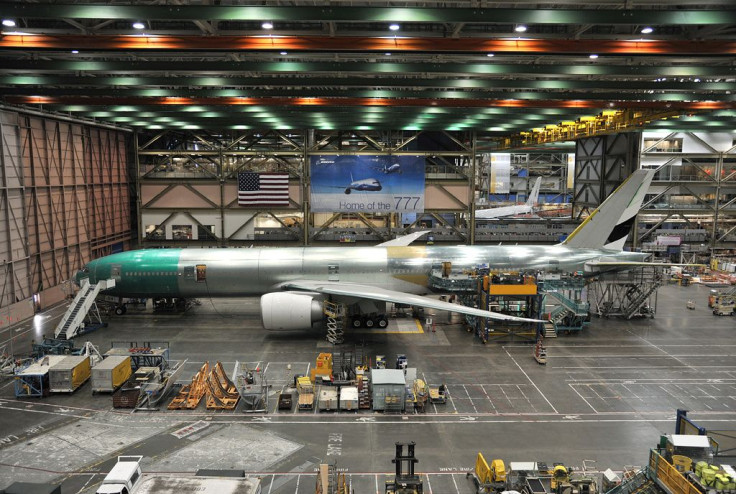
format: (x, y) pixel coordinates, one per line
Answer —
(75, 51)
(388, 53)
(138, 25)
(521, 28)
(593, 56)
(394, 27)
(284, 53)
(647, 30)
(267, 25)
(8, 23)
(490, 55)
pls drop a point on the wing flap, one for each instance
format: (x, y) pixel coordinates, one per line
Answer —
(381, 294)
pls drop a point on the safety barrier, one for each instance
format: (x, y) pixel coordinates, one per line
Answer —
(666, 474)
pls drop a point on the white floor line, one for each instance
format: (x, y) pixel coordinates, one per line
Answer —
(583, 398)
(489, 398)
(530, 380)
(470, 399)
(455, 483)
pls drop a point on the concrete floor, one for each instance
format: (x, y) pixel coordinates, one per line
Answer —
(605, 395)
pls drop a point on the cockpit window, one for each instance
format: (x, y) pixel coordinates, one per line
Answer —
(85, 269)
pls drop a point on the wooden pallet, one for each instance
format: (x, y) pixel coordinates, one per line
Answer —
(221, 392)
(190, 395)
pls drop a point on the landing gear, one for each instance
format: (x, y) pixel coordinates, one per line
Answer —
(120, 310)
(369, 321)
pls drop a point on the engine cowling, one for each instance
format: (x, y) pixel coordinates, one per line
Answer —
(287, 311)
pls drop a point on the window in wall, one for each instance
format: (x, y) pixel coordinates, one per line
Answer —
(673, 145)
(154, 232)
(206, 232)
(181, 232)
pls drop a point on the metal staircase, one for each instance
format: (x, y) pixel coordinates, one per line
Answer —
(549, 330)
(637, 297)
(567, 314)
(82, 304)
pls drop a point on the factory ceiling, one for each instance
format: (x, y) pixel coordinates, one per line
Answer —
(492, 67)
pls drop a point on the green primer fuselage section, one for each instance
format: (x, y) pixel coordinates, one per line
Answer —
(140, 273)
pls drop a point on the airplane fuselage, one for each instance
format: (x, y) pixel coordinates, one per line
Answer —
(236, 272)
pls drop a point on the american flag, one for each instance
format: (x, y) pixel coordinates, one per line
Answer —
(263, 189)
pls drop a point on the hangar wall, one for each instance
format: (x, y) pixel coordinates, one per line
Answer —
(65, 199)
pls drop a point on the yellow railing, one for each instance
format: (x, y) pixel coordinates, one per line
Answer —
(669, 476)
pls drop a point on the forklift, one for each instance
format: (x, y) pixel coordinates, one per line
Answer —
(488, 479)
(406, 480)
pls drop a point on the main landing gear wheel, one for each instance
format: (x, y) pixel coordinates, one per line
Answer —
(120, 310)
(356, 322)
(382, 322)
(369, 322)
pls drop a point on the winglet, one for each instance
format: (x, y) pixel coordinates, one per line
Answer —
(404, 240)
(610, 224)
(534, 196)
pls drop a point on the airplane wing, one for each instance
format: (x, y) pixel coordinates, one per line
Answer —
(403, 240)
(356, 290)
(641, 263)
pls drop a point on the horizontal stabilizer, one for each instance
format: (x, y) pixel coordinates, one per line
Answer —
(355, 290)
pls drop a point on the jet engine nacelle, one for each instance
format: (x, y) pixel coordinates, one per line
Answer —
(287, 311)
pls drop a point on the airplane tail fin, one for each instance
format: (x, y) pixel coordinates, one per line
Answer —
(534, 195)
(609, 225)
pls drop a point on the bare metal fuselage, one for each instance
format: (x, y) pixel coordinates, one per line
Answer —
(241, 272)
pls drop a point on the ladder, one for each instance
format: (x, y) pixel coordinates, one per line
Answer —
(335, 322)
(69, 325)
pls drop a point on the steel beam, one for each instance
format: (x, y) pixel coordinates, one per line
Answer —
(185, 67)
(373, 14)
(379, 44)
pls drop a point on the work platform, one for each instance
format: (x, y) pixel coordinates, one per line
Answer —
(626, 294)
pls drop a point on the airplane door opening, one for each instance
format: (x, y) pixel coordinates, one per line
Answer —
(115, 272)
(333, 272)
(201, 273)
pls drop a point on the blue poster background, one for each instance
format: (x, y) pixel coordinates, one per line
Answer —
(367, 184)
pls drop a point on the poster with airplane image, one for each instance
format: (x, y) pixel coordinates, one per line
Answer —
(367, 184)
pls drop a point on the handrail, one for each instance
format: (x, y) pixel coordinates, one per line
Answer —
(669, 476)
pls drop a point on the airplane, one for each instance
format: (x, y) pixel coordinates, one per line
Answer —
(395, 168)
(294, 282)
(500, 212)
(364, 185)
